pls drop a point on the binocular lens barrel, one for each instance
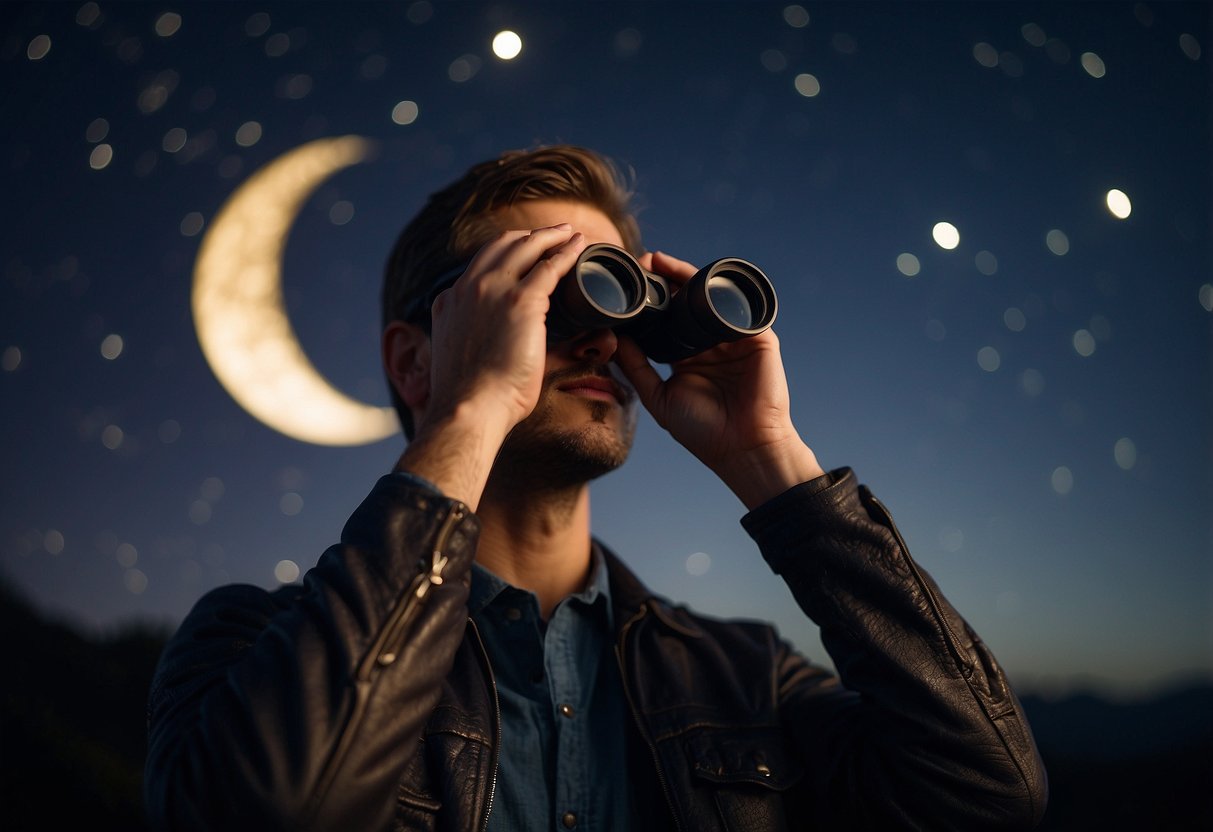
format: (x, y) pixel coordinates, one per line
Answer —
(727, 300)
(605, 289)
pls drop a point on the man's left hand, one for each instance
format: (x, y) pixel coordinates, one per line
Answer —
(728, 406)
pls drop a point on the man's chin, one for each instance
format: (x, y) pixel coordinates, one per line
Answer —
(566, 456)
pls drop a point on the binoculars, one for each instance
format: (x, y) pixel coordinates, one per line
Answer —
(727, 300)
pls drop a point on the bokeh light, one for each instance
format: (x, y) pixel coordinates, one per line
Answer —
(135, 581)
(463, 68)
(97, 130)
(169, 431)
(1014, 319)
(405, 112)
(248, 134)
(126, 555)
(257, 25)
(100, 157)
(88, 15)
(192, 224)
(277, 44)
(1062, 480)
(290, 503)
(989, 359)
(11, 359)
(1093, 64)
(1033, 34)
(1032, 382)
(286, 572)
(168, 24)
(807, 85)
(698, 563)
(1118, 203)
(507, 45)
(38, 48)
(946, 235)
(174, 140)
(53, 541)
(341, 212)
(628, 42)
(985, 54)
(1057, 242)
(908, 264)
(112, 437)
(200, 512)
(773, 60)
(1190, 46)
(1125, 453)
(111, 346)
(1084, 343)
(795, 16)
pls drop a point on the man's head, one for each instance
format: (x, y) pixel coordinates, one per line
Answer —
(462, 217)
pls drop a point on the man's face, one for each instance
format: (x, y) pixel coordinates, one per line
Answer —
(585, 419)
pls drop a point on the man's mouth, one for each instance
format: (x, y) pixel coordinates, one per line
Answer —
(600, 388)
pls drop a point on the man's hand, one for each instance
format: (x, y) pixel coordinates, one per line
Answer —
(728, 406)
(489, 342)
(486, 357)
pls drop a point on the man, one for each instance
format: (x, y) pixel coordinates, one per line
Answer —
(468, 657)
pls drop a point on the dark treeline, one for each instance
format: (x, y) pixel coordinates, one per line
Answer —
(73, 739)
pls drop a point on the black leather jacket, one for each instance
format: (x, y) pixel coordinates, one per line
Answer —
(364, 699)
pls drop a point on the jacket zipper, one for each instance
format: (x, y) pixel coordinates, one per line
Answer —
(381, 654)
(627, 691)
(488, 666)
(387, 646)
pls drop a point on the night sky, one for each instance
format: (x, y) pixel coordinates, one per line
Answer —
(1033, 403)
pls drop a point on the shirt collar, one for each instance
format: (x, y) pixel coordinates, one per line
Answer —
(487, 587)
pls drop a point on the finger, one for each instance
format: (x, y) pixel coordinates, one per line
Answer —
(546, 273)
(524, 252)
(639, 372)
(513, 253)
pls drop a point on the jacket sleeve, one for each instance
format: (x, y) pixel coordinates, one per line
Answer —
(289, 710)
(924, 731)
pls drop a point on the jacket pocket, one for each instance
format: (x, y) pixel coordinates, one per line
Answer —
(416, 805)
(747, 772)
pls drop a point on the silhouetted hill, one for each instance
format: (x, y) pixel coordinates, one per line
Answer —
(1144, 765)
(73, 729)
(73, 739)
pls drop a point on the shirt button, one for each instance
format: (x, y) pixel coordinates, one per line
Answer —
(567, 710)
(569, 820)
(513, 614)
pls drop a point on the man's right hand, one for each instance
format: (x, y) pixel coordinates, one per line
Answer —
(489, 341)
(487, 354)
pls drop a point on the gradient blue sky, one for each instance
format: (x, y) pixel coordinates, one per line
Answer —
(984, 398)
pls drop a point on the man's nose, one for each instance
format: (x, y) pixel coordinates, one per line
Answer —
(597, 346)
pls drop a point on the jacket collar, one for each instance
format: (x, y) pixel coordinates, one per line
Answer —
(630, 598)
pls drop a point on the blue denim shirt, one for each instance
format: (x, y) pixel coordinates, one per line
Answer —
(562, 762)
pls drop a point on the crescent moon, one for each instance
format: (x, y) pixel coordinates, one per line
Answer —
(239, 312)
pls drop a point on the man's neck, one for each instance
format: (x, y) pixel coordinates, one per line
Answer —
(537, 542)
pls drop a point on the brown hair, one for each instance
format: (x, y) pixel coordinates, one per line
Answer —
(456, 221)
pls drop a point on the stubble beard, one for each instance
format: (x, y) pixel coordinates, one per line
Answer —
(541, 454)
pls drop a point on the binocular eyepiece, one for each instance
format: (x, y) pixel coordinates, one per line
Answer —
(727, 300)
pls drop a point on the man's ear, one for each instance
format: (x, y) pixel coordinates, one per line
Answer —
(406, 360)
